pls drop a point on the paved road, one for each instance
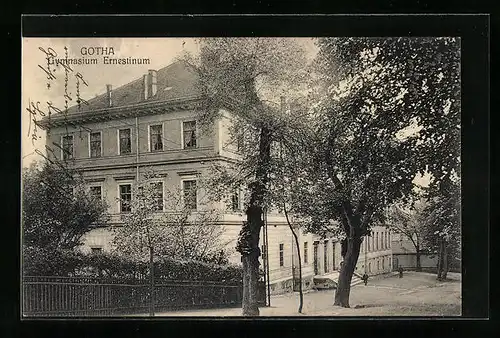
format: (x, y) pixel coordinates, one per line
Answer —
(416, 294)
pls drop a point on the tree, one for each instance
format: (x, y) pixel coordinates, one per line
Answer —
(149, 233)
(442, 231)
(410, 223)
(242, 75)
(168, 226)
(57, 209)
(376, 128)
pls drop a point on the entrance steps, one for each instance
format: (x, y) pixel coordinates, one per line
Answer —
(331, 280)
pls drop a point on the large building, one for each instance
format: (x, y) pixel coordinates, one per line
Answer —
(151, 122)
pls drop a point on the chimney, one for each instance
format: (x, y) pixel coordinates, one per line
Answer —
(152, 86)
(109, 91)
(145, 87)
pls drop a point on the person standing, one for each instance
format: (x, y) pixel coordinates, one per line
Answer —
(365, 278)
(400, 272)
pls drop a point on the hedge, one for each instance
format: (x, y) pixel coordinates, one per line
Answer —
(39, 262)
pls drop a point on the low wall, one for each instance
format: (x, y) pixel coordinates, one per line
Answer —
(286, 285)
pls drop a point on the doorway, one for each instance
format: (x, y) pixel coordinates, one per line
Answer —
(315, 258)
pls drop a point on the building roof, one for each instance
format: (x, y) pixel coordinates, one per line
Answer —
(176, 83)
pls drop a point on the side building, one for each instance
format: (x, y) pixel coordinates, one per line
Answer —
(405, 255)
(151, 122)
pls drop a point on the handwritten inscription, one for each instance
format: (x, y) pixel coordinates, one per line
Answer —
(50, 55)
(50, 68)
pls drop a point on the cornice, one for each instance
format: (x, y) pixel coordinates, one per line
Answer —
(113, 113)
(124, 177)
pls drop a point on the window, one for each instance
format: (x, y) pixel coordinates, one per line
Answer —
(189, 134)
(156, 138)
(282, 257)
(96, 251)
(158, 196)
(306, 252)
(369, 267)
(368, 242)
(263, 252)
(96, 192)
(235, 201)
(67, 147)
(378, 265)
(376, 241)
(125, 198)
(325, 255)
(189, 190)
(95, 144)
(315, 258)
(383, 263)
(125, 144)
(333, 255)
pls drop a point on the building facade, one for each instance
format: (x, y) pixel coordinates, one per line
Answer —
(405, 255)
(151, 122)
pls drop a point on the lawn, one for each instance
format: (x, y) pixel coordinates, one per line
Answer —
(416, 294)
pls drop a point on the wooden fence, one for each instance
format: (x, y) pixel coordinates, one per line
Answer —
(86, 296)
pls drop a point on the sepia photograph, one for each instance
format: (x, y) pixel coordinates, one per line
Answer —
(241, 177)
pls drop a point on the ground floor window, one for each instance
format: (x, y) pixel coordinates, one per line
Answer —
(125, 198)
(326, 256)
(315, 252)
(282, 257)
(333, 255)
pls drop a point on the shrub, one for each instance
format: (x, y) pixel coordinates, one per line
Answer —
(39, 262)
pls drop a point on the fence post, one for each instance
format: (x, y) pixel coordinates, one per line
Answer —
(152, 283)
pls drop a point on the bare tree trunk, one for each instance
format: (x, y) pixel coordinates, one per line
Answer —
(151, 284)
(444, 274)
(248, 241)
(440, 260)
(250, 261)
(346, 271)
(301, 295)
(250, 285)
(419, 264)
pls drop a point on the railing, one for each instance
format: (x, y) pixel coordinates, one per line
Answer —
(87, 296)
